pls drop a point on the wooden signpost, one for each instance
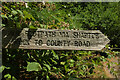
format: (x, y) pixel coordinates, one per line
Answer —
(54, 39)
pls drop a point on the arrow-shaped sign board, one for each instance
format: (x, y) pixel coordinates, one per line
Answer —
(54, 39)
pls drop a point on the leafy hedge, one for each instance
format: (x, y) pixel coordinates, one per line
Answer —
(101, 16)
(49, 64)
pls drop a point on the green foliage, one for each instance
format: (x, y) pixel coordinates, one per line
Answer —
(92, 16)
(51, 64)
(33, 66)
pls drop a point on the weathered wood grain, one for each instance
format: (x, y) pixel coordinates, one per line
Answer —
(53, 39)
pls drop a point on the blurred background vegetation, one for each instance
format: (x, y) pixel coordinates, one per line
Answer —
(50, 64)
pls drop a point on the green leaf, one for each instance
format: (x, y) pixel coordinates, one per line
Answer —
(71, 64)
(32, 27)
(54, 68)
(18, 24)
(2, 68)
(104, 60)
(3, 25)
(14, 12)
(62, 63)
(43, 26)
(33, 66)
(48, 78)
(71, 60)
(55, 55)
(72, 71)
(28, 15)
(81, 72)
(20, 12)
(7, 8)
(8, 76)
(108, 65)
(66, 68)
(47, 66)
(53, 61)
(10, 16)
(3, 16)
(44, 68)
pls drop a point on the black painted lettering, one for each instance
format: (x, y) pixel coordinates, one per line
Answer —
(55, 44)
(64, 34)
(68, 43)
(97, 35)
(75, 43)
(64, 42)
(25, 42)
(80, 43)
(49, 34)
(84, 35)
(48, 43)
(46, 34)
(61, 34)
(30, 34)
(52, 42)
(54, 34)
(87, 43)
(40, 34)
(59, 43)
(92, 36)
(75, 34)
(38, 42)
